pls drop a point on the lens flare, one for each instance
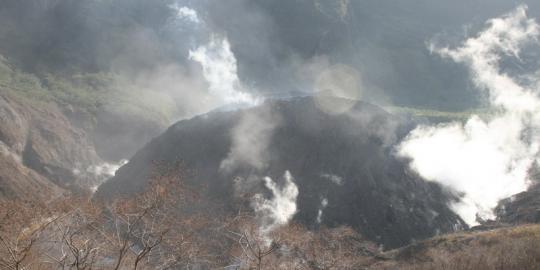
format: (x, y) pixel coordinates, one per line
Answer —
(338, 88)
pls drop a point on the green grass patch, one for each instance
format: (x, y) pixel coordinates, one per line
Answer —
(90, 92)
(440, 115)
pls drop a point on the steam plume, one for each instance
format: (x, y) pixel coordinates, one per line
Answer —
(336, 179)
(485, 160)
(186, 13)
(324, 203)
(220, 71)
(280, 209)
(104, 171)
(250, 140)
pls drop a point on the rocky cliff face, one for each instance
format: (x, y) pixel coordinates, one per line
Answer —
(42, 154)
(342, 164)
(521, 208)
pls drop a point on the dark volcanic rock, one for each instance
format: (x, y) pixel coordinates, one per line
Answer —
(521, 208)
(346, 159)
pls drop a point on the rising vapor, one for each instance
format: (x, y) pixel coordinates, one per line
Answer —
(250, 140)
(485, 159)
(278, 210)
(186, 13)
(324, 204)
(104, 171)
(221, 72)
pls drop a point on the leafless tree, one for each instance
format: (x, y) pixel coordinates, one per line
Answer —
(21, 226)
(164, 227)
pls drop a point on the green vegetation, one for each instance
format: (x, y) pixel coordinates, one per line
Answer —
(21, 84)
(94, 92)
(89, 92)
(439, 115)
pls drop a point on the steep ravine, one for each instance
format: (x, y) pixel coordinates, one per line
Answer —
(42, 153)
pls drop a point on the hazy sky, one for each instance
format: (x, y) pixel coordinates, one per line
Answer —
(279, 47)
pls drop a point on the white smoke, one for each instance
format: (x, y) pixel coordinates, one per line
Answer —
(251, 136)
(324, 203)
(485, 160)
(250, 140)
(336, 179)
(104, 171)
(172, 91)
(278, 210)
(186, 13)
(221, 72)
(208, 81)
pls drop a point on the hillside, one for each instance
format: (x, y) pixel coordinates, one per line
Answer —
(345, 160)
(42, 153)
(265, 135)
(115, 115)
(504, 248)
(521, 208)
(161, 222)
(57, 133)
